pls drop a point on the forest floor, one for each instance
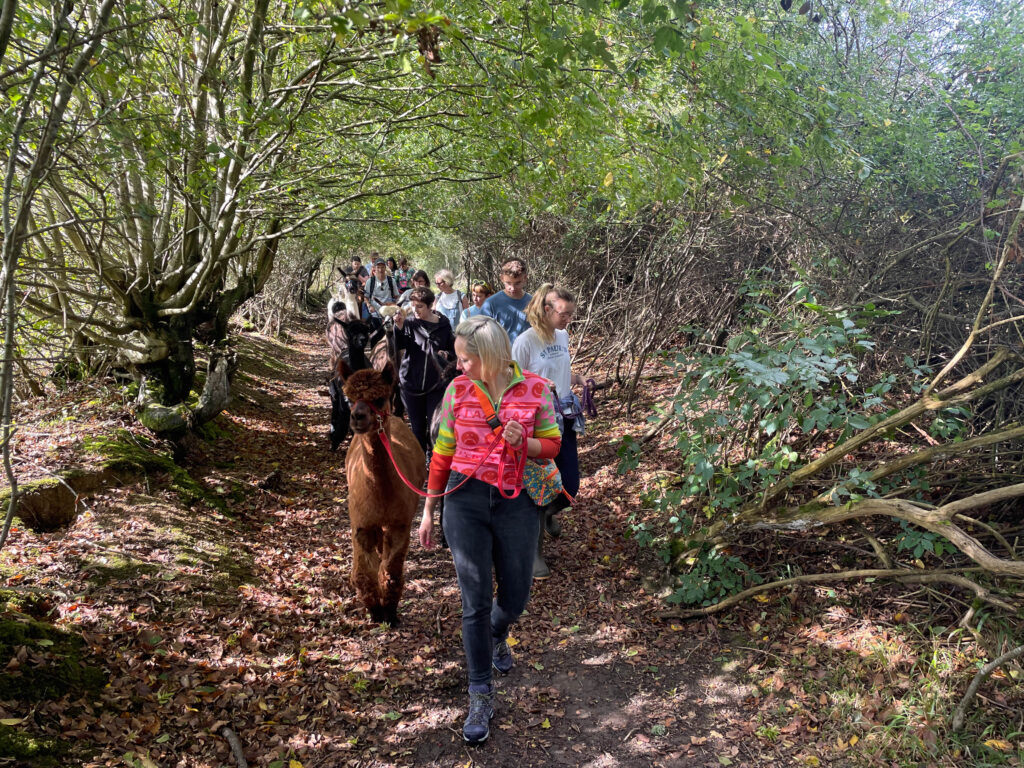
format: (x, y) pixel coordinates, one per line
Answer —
(234, 610)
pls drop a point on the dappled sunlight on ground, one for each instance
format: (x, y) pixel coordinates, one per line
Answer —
(232, 607)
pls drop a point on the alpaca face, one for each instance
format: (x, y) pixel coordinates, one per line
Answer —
(363, 417)
(368, 388)
(358, 334)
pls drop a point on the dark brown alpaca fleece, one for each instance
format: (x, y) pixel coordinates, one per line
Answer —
(367, 385)
(381, 507)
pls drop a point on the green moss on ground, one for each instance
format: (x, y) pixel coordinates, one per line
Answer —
(28, 487)
(106, 568)
(212, 431)
(58, 663)
(34, 604)
(124, 451)
(55, 666)
(260, 354)
(25, 749)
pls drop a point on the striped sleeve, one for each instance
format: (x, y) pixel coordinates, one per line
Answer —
(546, 425)
(440, 469)
(445, 443)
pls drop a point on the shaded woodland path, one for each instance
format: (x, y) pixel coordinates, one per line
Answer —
(244, 618)
(596, 672)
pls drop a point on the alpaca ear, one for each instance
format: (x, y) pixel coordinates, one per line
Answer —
(341, 370)
(388, 374)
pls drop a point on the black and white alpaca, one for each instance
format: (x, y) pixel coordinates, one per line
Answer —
(348, 336)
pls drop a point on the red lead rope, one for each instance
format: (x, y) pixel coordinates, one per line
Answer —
(517, 456)
(506, 449)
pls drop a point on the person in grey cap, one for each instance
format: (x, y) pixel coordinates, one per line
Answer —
(381, 288)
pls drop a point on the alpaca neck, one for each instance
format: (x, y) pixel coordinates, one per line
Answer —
(351, 303)
(357, 358)
(378, 463)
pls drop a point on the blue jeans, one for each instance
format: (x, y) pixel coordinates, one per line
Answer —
(488, 532)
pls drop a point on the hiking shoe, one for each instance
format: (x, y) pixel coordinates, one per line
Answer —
(502, 659)
(477, 727)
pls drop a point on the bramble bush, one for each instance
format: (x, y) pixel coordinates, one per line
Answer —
(743, 419)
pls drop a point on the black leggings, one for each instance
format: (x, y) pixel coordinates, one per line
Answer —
(420, 408)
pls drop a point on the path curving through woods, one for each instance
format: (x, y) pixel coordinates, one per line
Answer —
(599, 680)
(237, 613)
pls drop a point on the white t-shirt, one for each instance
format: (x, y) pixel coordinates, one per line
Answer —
(548, 360)
(449, 305)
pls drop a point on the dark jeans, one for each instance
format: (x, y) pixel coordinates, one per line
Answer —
(488, 532)
(568, 463)
(420, 409)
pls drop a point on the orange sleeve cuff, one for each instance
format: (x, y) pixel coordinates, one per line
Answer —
(549, 447)
(440, 468)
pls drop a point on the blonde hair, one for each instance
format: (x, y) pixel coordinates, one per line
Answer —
(536, 310)
(485, 338)
(446, 275)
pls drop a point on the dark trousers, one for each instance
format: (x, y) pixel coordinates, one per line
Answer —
(420, 408)
(487, 532)
(568, 463)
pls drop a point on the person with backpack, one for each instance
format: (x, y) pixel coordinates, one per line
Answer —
(451, 302)
(381, 289)
(544, 349)
(429, 344)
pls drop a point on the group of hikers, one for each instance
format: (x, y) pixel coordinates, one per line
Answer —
(512, 351)
(388, 282)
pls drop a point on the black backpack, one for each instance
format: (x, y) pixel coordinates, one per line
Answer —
(392, 287)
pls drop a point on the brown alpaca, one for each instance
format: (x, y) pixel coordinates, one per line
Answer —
(381, 507)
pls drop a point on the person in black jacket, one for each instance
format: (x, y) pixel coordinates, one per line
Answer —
(429, 343)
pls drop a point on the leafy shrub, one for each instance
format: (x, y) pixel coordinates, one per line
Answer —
(918, 542)
(713, 575)
(743, 418)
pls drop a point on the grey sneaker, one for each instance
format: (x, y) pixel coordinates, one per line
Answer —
(477, 727)
(502, 659)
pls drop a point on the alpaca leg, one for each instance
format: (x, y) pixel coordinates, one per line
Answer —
(341, 414)
(392, 580)
(366, 543)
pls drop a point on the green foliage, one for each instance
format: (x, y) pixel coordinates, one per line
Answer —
(918, 542)
(712, 576)
(784, 383)
(747, 417)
